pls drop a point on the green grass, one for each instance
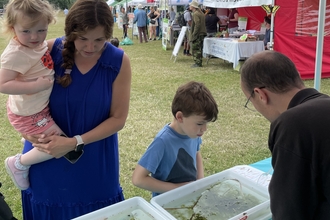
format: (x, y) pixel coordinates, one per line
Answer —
(239, 136)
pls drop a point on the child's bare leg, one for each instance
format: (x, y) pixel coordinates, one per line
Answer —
(18, 166)
(35, 156)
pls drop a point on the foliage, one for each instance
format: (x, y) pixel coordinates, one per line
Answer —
(3, 3)
(61, 4)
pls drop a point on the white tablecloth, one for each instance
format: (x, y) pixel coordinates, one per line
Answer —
(230, 49)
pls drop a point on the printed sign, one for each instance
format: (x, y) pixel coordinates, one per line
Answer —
(235, 3)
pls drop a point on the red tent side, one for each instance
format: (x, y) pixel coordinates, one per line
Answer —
(295, 28)
(255, 16)
(301, 49)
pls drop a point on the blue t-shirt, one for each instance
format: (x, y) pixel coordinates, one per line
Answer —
(171, 157)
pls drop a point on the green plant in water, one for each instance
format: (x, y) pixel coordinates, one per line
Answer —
(221, 201)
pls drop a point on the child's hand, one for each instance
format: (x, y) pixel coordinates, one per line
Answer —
(44, 83)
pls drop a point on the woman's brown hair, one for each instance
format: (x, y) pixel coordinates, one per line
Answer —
(83, 16)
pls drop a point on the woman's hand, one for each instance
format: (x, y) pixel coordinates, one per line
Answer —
(55, 145)
(33, 138)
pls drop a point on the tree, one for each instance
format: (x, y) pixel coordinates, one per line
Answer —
(3, 3)
(62, 4)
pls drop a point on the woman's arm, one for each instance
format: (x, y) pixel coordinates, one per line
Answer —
(9, 84)
(50, 44)
(58, 146)
(157, 15)
(235, 17)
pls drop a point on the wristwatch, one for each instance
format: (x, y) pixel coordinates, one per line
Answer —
(80, 143)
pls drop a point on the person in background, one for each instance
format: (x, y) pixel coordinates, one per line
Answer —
(267, 20)
(114, 13)
(186, 42)
(27, 76)
(159, 27)
(174, 157)
(153, 23)
(198, 32)
(172, 15)
(66, 11)
(136, 9)
(86, 66)
(140, 19)
(232, 20)
(298, 138)
(211, 22)
(124, 17)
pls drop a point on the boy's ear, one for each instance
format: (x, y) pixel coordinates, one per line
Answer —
(179, 116)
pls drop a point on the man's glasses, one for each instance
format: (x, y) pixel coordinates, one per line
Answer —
(248, 100)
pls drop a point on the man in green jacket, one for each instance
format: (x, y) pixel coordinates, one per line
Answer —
(198, 32)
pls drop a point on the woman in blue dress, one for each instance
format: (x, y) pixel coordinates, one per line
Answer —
(90, 104)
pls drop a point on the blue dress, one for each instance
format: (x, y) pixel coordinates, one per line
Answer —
(61, 190)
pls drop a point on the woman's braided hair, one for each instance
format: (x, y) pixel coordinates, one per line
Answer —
(83, 16)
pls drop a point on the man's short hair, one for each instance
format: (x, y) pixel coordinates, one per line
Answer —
(193, 98)
(272, 70)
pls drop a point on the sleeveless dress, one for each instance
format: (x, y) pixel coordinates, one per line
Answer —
(61, 190)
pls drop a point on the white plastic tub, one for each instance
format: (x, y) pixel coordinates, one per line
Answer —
(178, 199)
(134, 208)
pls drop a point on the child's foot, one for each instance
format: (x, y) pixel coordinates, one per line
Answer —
(19, 177)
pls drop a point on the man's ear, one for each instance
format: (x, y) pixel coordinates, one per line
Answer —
(179, 116)
(262, 94)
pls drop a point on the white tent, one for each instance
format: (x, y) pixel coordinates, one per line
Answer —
(182, 2)
(235, 4)
(110, 2)
(142, 2)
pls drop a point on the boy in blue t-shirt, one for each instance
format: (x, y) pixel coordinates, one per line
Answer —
(173, 158)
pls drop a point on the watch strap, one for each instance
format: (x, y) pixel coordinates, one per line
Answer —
(80, 143)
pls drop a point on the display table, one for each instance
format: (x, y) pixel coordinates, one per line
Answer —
(231, 49)
(238, 34)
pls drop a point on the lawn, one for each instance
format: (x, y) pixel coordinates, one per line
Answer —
(239, 136)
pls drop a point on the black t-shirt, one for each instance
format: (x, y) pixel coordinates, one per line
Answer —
(211, 21)
(299, 141)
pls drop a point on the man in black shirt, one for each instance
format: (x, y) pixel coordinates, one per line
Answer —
(211, 22)
(299, 138)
